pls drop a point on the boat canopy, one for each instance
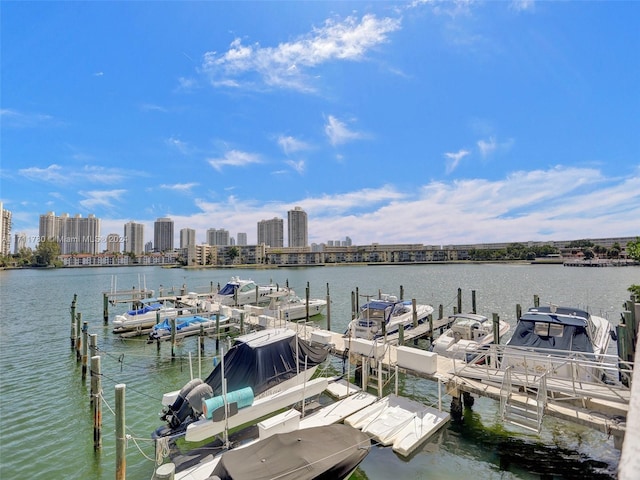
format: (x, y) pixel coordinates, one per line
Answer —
(557, 332)
(261, 363)
(325, 452)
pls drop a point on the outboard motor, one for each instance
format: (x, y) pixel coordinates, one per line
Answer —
(191, 407)
(177, 404)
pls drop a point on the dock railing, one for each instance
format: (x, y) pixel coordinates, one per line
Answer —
(571, 375)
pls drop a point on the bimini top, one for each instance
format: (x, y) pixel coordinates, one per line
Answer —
(560, 315)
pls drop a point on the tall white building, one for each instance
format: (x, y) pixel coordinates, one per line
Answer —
(187, 238)
(217, 237)
(20, 242)
(163, 235)
(242, 239)
(271, 232)
(5, 230)
(297, 225)
(113, 243)
(134, 238)
(75, 234)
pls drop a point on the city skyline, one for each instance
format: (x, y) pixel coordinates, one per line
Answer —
(388, 122)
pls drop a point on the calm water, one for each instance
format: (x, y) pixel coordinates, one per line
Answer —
(45, 418)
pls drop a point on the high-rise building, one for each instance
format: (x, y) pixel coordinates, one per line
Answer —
(242, 239)
(134, 238)
(113, 243)
(217, 237)
(163, 235)
(5, 230)
(148, 247)
(271, 232)
(20, 242)
(187, 238)
(297, 225)
(75, 234)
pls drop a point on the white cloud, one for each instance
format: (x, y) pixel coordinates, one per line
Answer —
(487, 147)
(179, 187)
(286, 65)
(100, 198)
(522, 5)
(16, 119)
(59, 175)
(453, 159)
(338, 132)
(234, 158)
(178, 144)
(298, 166)
(290, 144)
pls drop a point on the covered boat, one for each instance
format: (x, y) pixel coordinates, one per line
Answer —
(330, 452)
(143, 317)
(556, 333)
(286, 305)
(237, 292)
(267, 361)
(185, 326)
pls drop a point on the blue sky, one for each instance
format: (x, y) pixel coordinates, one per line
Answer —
(392, 122)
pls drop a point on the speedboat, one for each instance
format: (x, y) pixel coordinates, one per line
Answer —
(239, 291)
(286, 305)
(384, 315)
(258, 365)
(468, 333)
(144, 317)
(550, 338)
(184, 326)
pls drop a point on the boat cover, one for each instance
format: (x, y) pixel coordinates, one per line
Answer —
(264, 365)
(574, 335)
(317, 453)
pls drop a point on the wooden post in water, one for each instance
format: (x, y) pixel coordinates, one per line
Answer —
(201, 340)
(93, 344)
(73, 320)
(401, 293)
(173, 337)
(496, 329)
(353, 305)
(105, 308)
(357, 301)
(473, 301)
(536, 301)
(328, 309)
(621, 332)
(85, 349)
(518, 311)
(415, 312)
(440, 311)
(401, 335)
(459, 300)
(430, 317)
(633, 323)
(78, 335)
(242, 323)
(96, 401)
(121, 441)
(217, 331)
(257, 296)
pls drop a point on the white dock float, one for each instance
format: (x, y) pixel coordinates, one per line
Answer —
(403, 423)
(336, 412)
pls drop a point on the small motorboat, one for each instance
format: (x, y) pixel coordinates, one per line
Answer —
(144, 317)
(184, 327)
(238, 292)
(286, 305)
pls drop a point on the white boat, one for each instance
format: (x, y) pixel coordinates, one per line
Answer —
(286, 305)
(468, 333)
(185, 326)
(143, 317)
(268, 362)
(237, 292)
(384, 315)
(549, 338)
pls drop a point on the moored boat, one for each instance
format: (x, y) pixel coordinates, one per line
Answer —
(237, 292)
(144, 317)
(184, 326)
(468, 332)
(268, 362)
(546, 338)
(286, 305)
(384, 315)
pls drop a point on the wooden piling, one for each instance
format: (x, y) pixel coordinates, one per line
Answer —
(121, 441)
(85, 349)
(307, 293)
(73, 320)
(473, 301)
(96, 401)
(78, 335)
(459, 300)
(430, 317)
(536, 301)
(173, 337)
(415, 312)
(242, 323)
(518, 311)
(105, 308)
(401, 293)
(496, 329)
(401, 335)
(441, 311)
(328, 309)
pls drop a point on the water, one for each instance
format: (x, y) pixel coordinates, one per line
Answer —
(46, 421)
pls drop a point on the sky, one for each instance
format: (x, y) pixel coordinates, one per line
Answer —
(428, 122)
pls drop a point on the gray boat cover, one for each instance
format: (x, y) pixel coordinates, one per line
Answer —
(574, 333)
(318, 453)
(264, 366)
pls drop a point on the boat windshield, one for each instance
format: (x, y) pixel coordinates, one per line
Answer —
(228, 289)
(372, 313)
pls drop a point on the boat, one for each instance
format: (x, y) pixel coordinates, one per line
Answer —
(286, 305)
(327, 452)
(384, 315)
(185, 326)
(547, 338)
(144, 317)
(237, 292)
(468, 333)
(266, 362)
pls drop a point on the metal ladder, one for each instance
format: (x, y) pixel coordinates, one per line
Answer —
(522, 410)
